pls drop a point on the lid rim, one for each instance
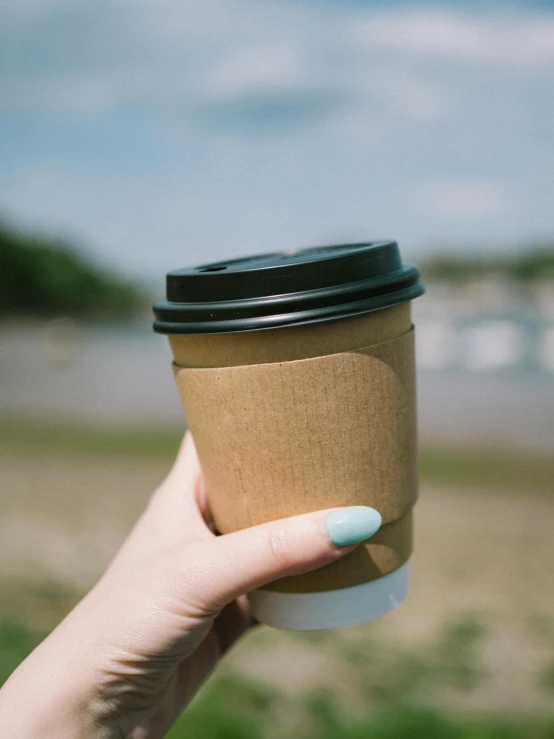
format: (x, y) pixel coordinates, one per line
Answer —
(405, 277)
(285, 320)
(286, 288)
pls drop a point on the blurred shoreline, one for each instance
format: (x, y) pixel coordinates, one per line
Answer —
(483, 381)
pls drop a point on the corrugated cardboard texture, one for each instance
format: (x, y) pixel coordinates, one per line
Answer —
(284, 438)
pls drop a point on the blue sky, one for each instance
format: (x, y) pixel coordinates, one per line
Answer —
(159, 133)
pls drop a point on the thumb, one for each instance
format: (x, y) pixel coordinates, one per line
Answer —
(234, 564)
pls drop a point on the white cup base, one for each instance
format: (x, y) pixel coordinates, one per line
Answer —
(331, 609)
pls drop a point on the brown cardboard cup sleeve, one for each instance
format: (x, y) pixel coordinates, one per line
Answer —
(280, 439)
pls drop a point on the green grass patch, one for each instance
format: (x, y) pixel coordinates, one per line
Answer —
(16, 642)
(232, 707)
(228, 708)
(39, 606)
(474, 467)
(236, 709)
(479, 467)
(146, 443)
(390, 674)
(422, 723)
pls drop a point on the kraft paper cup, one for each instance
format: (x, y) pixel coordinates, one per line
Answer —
(291, 417)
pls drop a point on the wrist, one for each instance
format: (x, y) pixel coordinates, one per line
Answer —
(44, 700)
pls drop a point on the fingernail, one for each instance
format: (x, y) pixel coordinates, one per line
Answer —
(353, 524)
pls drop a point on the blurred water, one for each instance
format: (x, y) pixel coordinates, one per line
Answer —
(483, 380)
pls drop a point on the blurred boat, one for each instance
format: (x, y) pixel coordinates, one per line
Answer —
(546, 350)
(494, 344)
(436, 344)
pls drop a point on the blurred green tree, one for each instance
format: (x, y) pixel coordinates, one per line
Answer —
(48, 277)
(536, 263)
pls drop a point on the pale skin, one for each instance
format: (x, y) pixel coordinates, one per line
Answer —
(132, 654)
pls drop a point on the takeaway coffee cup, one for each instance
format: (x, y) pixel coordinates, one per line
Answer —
(296, 374)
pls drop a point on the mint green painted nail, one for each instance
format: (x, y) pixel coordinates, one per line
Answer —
(353, 524)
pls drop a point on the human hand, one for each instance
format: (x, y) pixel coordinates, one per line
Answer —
(134, 651)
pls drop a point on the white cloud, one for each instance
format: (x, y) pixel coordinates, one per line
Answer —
(260, 68)
(183, 55)
(226, 124)
(510, 41)
(407, 91)
(466, 197)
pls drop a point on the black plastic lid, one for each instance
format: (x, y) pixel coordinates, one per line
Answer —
(286, 289)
